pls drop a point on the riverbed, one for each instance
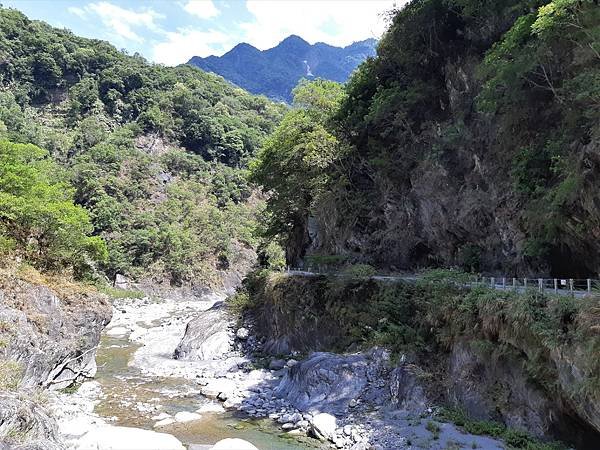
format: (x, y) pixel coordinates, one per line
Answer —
(138, 382)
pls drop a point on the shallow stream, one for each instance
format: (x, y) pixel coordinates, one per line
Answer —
(131, 398)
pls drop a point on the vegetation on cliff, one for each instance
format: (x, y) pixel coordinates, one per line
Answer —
(496, 352)
(155, 155)
(471, 139)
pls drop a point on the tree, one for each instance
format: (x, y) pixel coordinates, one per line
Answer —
(293, 162)
(37, 213)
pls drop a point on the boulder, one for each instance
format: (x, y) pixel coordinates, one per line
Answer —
(220, 387)
(242, 333)
(207, 337)
(233, 444)
(277, 364)
(323, 426)
(121, 438)
(185, 416)
(327, 382)
(164, 422)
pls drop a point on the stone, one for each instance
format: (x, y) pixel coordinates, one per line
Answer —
(121, 282)
(323, 426)
(164, 422)
(161, 416)
(277, 364)
(242, 333)
(288, 426)
(117, 331)
(207, 337)
(220, 386)
(291, 363)
(185, 416)
(117, 438)
(233, 444)
(210, 408)
(328, 382)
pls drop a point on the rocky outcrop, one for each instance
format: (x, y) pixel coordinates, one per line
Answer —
(49, 336)
(23, 412)
(328, 382)
(497, 387)
(52, 336)
(209, 336)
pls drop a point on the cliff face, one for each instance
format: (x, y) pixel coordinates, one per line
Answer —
(461, 154)
(48, 338)
(496, 356)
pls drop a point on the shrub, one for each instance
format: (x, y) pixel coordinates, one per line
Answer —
(359, 271)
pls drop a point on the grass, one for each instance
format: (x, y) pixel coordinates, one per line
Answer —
(514, 439)
(10, 374)
(114, 292)
(434, 429)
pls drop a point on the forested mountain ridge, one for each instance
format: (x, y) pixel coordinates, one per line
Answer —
(471, 139)
(276, 71)
(142, 167)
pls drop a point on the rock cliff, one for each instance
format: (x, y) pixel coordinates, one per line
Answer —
(49, 330)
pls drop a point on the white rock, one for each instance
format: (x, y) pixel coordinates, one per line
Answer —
(323, 426)
(164, 422)
(210, 408)
(125, 438)
(185, 416)
(242, 333)
(233, 444)
(117, 331)
(216, 387)
(161, 416)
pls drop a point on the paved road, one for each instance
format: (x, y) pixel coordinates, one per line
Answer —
(415, 277)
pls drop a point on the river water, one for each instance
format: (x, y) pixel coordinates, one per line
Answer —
(132, 398)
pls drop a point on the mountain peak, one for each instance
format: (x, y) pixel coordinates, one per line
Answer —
(294, 39)
(276, 71)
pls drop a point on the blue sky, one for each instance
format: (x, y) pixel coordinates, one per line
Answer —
(172, 31)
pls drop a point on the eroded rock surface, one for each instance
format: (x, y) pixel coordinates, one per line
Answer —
(209, 336)
(49, 337)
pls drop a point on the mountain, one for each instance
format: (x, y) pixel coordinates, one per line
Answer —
(134, 166)
(276, 71)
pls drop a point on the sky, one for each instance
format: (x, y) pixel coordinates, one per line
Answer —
(172, 31)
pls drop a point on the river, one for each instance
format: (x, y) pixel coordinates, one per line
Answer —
(139, 380)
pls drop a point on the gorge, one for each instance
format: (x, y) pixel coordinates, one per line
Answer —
(148, 215)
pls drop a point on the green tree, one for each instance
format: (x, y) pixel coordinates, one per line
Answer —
(37, 213)
(292, 164)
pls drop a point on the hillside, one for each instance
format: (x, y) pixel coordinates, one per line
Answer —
(133, 168)
(471, 140)
(276, 71)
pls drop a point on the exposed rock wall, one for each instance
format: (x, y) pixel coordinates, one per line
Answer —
(49, 336)
(490, 374)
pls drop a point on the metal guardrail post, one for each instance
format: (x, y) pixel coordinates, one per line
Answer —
(515, 284)
(571, 285)
(503, 283)
(541, 285)
(589, 286)
(525, 282)
(492, 282)
(555, 286)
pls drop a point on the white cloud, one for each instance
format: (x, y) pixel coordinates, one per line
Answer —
(331, 21)
(79, 12)
(205, 9)
(122, 21)
(181, 45)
